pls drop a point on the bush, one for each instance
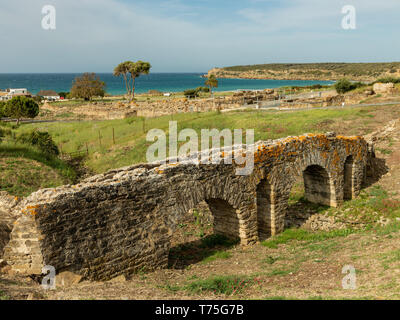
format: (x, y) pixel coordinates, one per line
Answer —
(388, 80)
(63, 94)
(40, 139)
(203, 89)
(21, 107)
(344, 85)
(2, 105)
(191, 93)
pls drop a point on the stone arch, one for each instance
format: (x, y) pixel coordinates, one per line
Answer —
(318, 186)
(348, 188)
(226, 220)
(264, 206)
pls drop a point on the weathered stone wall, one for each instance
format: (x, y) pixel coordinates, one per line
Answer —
(121, 222)
(7, 204)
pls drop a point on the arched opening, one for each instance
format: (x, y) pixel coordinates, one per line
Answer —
(348, 178)
(317, 185)
(310, 195)
(226, 221)
(207, 230)
(264, 209)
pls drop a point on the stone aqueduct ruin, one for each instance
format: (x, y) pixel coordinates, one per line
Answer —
(122, 221)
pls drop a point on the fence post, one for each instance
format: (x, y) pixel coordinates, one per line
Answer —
(113, 135)
(87, 149)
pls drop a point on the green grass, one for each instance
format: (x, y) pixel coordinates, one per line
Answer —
(283, 271)
(370, 205)
(217, 255)
(227, 285)
(384, 151)
(305, 236)
(130, 134)
(3, 296)
(25, 169)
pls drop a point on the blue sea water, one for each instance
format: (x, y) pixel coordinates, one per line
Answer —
(165, 82)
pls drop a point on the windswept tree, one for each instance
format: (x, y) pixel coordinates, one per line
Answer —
(21, 107)
(130, 70)
(88, 86)
(211, 82)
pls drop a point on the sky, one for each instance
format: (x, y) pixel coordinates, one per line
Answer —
(193, 36)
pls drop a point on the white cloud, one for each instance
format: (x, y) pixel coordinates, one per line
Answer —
(95, 35)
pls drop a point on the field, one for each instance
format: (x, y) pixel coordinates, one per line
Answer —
(298, 264)
(130, 134)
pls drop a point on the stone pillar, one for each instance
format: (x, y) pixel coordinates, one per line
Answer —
(359, 176)
(279, 205)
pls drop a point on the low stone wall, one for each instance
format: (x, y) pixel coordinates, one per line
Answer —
(122, 221)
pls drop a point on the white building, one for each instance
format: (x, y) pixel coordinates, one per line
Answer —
(49, 95)
(10, 93)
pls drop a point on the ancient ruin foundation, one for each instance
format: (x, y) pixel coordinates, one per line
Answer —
(122, 221)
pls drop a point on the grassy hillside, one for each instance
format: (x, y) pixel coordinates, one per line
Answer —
(350, 69)
(130, 134)
(311, 71)
(24, 169)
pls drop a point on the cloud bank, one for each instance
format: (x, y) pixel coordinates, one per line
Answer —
(188, 36)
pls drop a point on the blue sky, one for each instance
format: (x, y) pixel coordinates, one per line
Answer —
(193, 36)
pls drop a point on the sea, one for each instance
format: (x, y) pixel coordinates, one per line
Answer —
(164, 82)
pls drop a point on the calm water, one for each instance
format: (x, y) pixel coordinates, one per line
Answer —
(165, 82)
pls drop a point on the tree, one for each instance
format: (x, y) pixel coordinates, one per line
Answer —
(344, 85)
(63, 94)
(88, 86)
(130, 70)
(41, 140)
(2, 111)
(21, 107)
(211, 82)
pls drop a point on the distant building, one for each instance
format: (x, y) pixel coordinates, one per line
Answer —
(49, 95)
(11, 93)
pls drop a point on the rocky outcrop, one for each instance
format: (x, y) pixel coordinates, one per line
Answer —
(326, 72)
(122, 221)
(384, 88)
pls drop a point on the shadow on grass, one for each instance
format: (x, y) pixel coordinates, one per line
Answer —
(204, 249)
(300, 211)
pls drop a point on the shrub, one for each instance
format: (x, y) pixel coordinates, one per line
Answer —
(344, 85)
(388, 80)
(63, 94)
(191, 93)
(203, 89)
(2, 105)
(20, 107)
(40, 139)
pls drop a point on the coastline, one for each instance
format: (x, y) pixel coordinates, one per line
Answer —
(163, 82)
